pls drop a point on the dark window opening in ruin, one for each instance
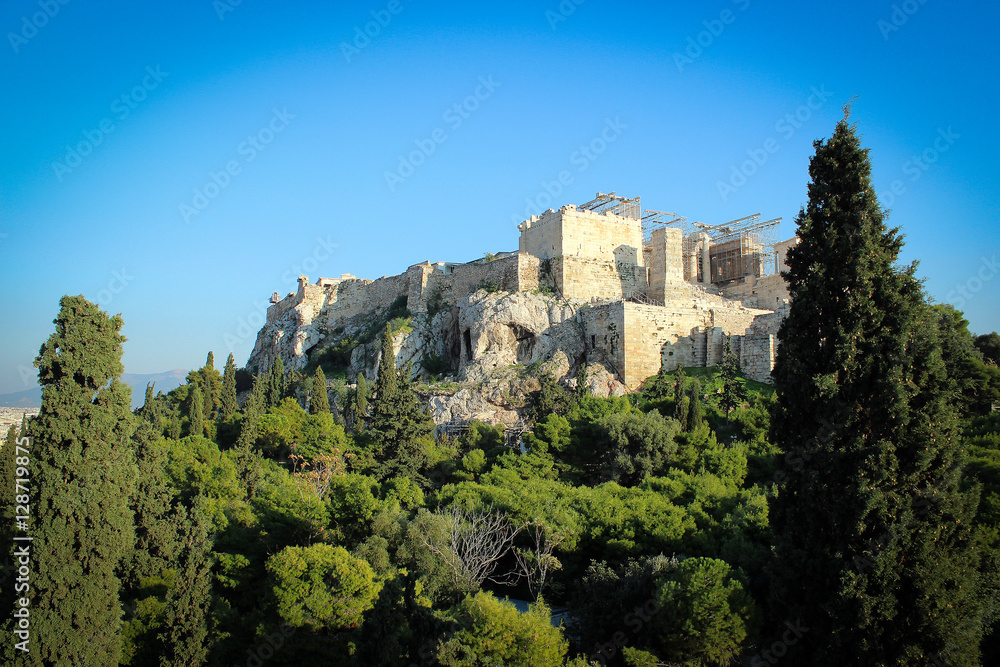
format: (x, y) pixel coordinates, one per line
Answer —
(468, 344)
(593, 341)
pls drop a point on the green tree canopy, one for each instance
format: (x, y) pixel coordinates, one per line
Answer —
(321, 586)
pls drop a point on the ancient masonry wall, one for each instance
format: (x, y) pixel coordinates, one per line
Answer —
(655, 337)
(602, 329)
(759, 346)
(591, 255)
(664, 261)
(767, 292)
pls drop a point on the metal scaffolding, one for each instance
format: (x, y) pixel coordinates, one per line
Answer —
(742, 247)
(736, 249)
(613, 204)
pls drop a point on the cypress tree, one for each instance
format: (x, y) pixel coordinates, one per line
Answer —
(359, 408)
(696, 413)
(84, 475)
(169, 547)
(195, 407)
(211, 383)
(319, 399)
(679, 380)
(248, 457)
(733, 391)
(398, 422)
(227, 399)
(185, 628)
(873, 543)
(277, 384)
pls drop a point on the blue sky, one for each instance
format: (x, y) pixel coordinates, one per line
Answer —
(234, 146)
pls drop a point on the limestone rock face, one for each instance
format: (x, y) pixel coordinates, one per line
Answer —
(489, 348)
(290, 334)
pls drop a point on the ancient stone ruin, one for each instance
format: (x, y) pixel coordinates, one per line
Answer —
(604, 283)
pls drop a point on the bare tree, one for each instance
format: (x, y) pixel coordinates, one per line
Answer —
(537, 562)
(471, 543)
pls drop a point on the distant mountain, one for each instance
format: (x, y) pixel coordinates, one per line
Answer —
(32, 398)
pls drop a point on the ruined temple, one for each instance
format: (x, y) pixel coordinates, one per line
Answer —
(604, 283)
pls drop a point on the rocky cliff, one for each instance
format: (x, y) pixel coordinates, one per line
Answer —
(479, 358)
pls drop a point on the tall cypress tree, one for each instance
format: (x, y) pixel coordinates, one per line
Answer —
(696, 413)
(277, 383)
(185, 628)
(398, 424)
(319, 399)
(84, 475)
(170, 562)
(195, 412)
(211, 383)
(873, 543)
(248, 457)
(733, 391)
(359, 407)
(227, 399)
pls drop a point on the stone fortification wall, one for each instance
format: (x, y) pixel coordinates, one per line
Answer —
(664, 261)
(591, 255)
(655, 337)
(767, 292)
(541, 235)
(500, 274)
(760, 344)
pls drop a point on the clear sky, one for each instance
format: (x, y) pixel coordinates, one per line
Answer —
(179, 162)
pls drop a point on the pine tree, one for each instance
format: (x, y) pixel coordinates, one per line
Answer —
(195, 407)
(696, 413)
(84, 475)
(319, 399)
(734, 393)
(873, 544)
(227, 399)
